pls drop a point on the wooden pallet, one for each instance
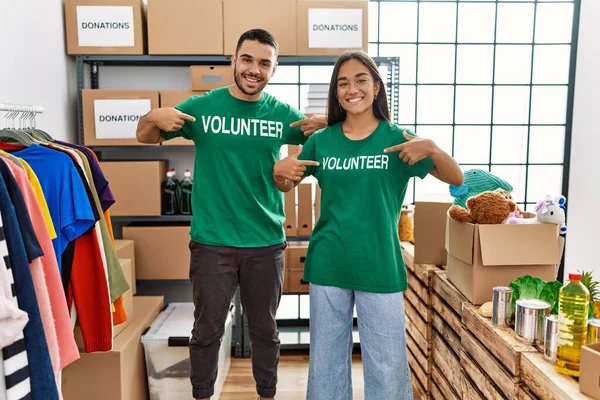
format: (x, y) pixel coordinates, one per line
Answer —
(446, 302)
(417, 304)
(542, 380)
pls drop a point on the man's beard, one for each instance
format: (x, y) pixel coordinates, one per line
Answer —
(238, 82)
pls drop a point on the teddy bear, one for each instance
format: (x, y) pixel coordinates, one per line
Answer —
(489, 207)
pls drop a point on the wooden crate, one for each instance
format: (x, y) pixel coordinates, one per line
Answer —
(446, 302)
(542, 379)
(525, 394)
(417, 300)
(447, 362)
(423, 272)
(482, 368)
(501, 343)
(448, 292)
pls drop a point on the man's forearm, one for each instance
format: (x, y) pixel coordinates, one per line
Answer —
(147, 131)
(284, 186)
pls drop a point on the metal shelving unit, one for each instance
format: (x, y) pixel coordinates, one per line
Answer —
(96, 61)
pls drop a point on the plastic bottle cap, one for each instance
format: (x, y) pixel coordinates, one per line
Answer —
(574, 276)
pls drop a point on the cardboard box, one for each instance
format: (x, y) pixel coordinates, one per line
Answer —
(104, 27)
(276, 17)
(331, 27)
(295, 257)
(291, 218)
(125, 249)
(161, 252)
(305, 209)
(206, 77)
(483, 256)
(131, 181)
(127, 304)
(296, 284)
(589, 371)
(430, 232)
(110, 117)
(119, 374)
(172, 98)
(185, 26)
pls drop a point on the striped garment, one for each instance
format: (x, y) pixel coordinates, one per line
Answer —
(15, 362)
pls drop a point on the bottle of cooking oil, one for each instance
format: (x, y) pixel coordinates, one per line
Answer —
(574, 300)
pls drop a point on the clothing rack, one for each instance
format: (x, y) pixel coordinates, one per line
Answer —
(21, 108)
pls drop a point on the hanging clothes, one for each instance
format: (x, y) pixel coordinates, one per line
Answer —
(9, 170)
(57, 324)
(22, 248)
(69, 202)
(14, 363)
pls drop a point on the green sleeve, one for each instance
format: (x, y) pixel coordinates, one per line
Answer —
(309, 152)
(293, 135)
(191, 106)
(422, 168)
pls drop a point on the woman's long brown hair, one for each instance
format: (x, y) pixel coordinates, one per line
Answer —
(335, 112)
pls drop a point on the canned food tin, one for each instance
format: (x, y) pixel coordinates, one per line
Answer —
(550, 337)
(593, 335)
(501, 305)
(529, 320)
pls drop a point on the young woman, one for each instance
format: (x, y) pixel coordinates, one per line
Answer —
(364, 165)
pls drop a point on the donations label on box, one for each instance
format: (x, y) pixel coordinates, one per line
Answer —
(118, 119)
(105, 26)
(335, 28)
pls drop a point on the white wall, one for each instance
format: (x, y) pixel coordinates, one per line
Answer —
(35, 68)
(584, 181)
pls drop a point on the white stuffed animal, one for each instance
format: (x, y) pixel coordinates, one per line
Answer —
(548, 211)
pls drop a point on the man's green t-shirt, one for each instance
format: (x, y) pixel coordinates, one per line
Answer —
(355, 243)
(234, 199)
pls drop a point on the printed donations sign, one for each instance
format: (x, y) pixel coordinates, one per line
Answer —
(335, 28)
(118, 119)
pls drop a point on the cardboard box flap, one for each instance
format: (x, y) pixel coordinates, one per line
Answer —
(535, 244)
(459, 240)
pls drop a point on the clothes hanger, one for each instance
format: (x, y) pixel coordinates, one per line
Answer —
(29, 120)
(38, 133)
(12, 133)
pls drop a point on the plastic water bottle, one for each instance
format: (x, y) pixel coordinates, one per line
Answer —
(574, 300)
(186, 193)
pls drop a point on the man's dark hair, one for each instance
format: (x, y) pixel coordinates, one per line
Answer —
(261, 36)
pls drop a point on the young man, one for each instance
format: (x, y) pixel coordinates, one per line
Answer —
(237, 234)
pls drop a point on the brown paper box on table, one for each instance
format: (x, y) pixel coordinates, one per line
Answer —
(131, 181)
(331, 27)
(119, 374)
(430, 232)
(206, 77)
(305, 209)
(589, 371)
(110, 117)
(483, 256)
(104, 27)
(189, 27)
(125, 249)
(276, 17)
(291, 218)
(172, 98)
(161, 252)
